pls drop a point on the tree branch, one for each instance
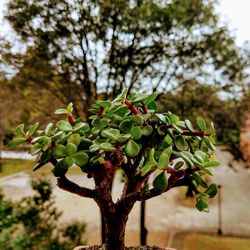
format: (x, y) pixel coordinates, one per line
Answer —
(67, 185)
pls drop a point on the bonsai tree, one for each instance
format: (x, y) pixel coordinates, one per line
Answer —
(126, 134)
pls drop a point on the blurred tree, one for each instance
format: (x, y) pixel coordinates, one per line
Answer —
(77, 49)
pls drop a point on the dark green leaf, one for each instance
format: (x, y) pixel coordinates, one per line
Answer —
(212, 190)
(202, 205)
(153, 106)
(178, 165)
(126, 126)
(180, 143)
(150, 98)
(160, 183)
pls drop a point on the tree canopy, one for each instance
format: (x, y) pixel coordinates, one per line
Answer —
(78, 49)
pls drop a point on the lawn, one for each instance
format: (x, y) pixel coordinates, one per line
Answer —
(13, 166)
(209, 242)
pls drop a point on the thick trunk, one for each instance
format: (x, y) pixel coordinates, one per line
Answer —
(115, 232)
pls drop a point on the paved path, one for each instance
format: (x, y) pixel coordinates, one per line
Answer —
(165, 213)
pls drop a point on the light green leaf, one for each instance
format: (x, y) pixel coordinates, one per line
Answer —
(132, 149)
(150, 98)
(61, 111)
(14, 143)
(48, 128)
(147, 168)
(201, 124)
(64, 125)
(75, 139)
(180, 143)
(123, 138)
(137, 120)
(80, 158)
(19, 130)
(209, 143)
(187, 157)
(189, 125)
(70, 148)
(70, 108)
(212, 164)
(111, 133)
(36, 148)
(33, 128)
(164, 158)
(59, 151)
(136, 133)
(147, 130)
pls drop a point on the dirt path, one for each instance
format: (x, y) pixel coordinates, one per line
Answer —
(165, 214)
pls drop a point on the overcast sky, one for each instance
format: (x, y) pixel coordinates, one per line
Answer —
(236, 13)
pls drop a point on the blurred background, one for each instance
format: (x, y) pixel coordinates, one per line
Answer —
(195, 54)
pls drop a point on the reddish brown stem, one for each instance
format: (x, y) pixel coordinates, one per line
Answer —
(71, 119)
(132, 107)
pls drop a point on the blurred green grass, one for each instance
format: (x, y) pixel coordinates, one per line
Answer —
(209, 242)
(14, 166)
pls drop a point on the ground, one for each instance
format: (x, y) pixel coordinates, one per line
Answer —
(166, 215)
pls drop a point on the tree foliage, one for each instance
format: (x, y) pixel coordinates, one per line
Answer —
(77, 49)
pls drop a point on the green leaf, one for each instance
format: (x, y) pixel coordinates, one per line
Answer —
(111, 133)
(104, 123)
(126, 126)
(19, 130)
(121, 97)
(84, 144)
(212, 190)
(164, 158)
(178, 129)
(14, 143)
(180, 143)
(81, 126)
(106, 146)
(187, 157)
(33, 129)
(123, 138)
(80, 158)
(160, 183)
(209, 143)
(147, 130)
(59, 151)
(152, 156)
(147, 167)
(57, 135)
(75, 139)
(173, 118)
(199, 181)
(121, 111)
(200, 156)
(64, 125)
(36, 148)
(212, 164)
(201, 124)
(48, 128)
(70, 108)
(137, 120)
(136, 133)
(162, 118)
(202, 205)
(94, 148)
(189, 125)
(61, 111)
(132, 149)
(96, 123)
(70, 148)
(150, 98)
(153, 106)
(178, 165)
(103, 104)
(62, 166)
(139, 97)
(45, 141)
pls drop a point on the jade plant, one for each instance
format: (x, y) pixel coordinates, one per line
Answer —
(130, 135)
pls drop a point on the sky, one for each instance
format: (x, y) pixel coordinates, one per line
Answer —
(236, 13)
